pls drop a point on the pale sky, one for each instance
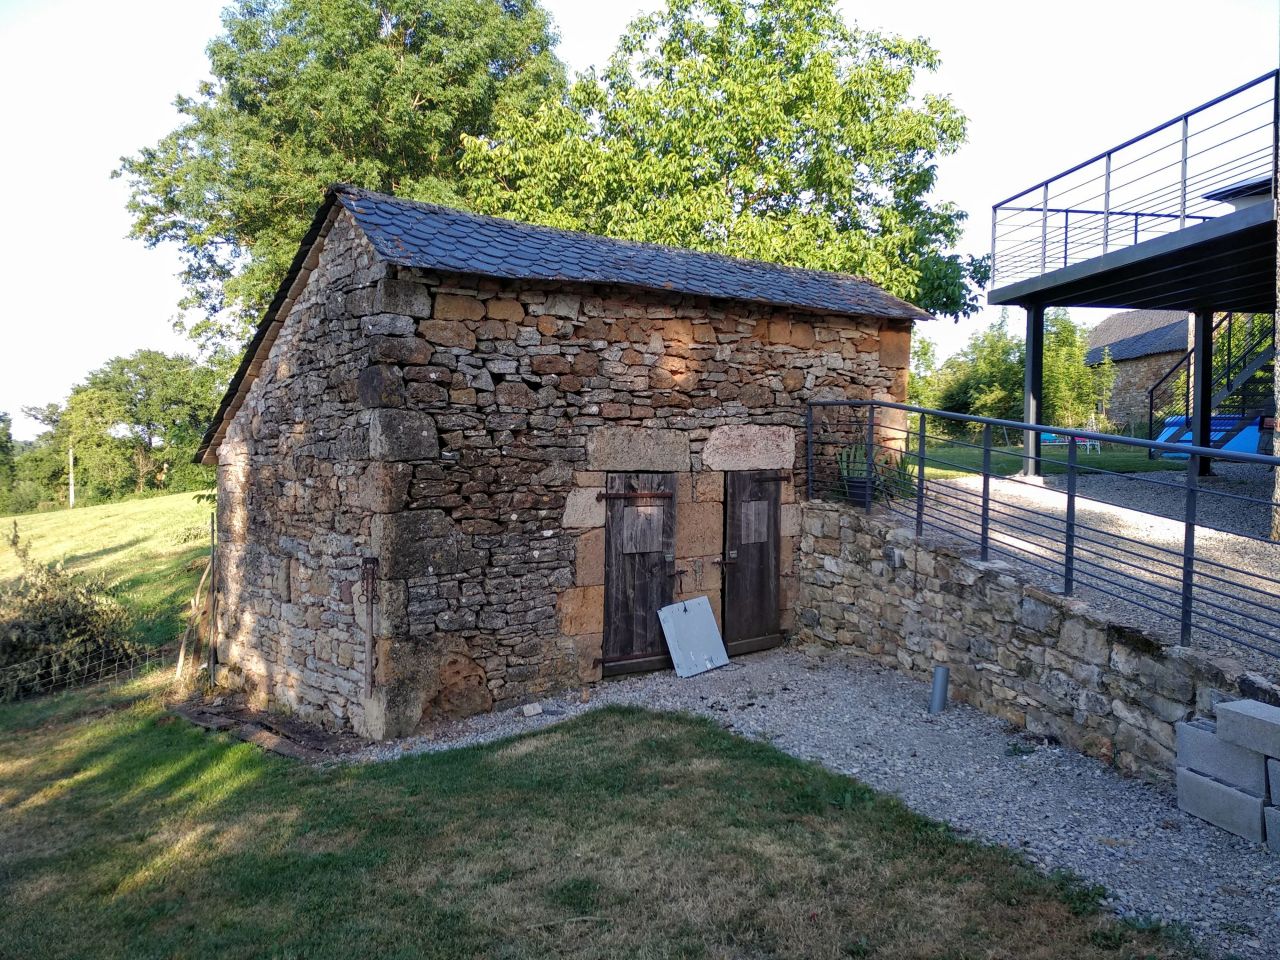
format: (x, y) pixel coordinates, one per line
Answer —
(82, 82)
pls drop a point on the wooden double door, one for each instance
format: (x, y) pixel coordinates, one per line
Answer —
(641, 565)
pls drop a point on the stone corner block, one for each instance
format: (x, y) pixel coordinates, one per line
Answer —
(1251, 724)
(637, 448)
(1226, 807)
(750, 447)
(580, 610)
(1273, 780)
(583, 508)
(1201, 750)
(415, 543)
(405, 297)
(1272, 815)
(402, 435)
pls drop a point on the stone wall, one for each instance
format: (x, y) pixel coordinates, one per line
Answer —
(457, 428)
(1040, 661)
(1128, 404)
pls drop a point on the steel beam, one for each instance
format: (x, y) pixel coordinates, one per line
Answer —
(1033, 388)
(1202, 386)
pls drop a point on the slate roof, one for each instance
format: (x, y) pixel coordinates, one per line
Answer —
(1138, 333)
(432, 237)
(440, 238)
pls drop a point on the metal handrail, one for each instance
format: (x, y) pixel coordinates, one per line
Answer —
(1182, 449)
(1269, 75)
(1196, 595)
(1177, 183)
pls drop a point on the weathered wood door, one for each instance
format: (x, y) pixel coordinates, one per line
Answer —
(752, 557)
(639, 575)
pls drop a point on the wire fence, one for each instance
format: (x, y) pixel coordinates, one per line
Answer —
(68, 669)
(1188, 557)
(1204, 164)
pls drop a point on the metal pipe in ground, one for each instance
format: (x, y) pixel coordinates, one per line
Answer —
(938, 695)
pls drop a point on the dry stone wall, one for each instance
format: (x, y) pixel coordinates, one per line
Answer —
(1038, 660)
(1127, 406)
(458, 428)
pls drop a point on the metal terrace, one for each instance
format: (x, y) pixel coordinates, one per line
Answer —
(1181, 217)
(1178, 217)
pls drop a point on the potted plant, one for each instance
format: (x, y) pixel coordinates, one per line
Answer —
(857, 473)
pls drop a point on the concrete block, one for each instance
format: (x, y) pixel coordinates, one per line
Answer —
(1202, 750)
(1272, 815)
(1251, 724)
(1226, 807)
(1273, 779)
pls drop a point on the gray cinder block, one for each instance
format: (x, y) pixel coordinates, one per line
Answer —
(1250, 724)
(1273, 828)
(1273, 777)
(1202, 750)
(1226, 807)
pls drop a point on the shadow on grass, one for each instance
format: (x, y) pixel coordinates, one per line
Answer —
(621, 833)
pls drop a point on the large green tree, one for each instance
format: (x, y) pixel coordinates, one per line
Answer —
(762, 128)
(6, 461)
(308, 92)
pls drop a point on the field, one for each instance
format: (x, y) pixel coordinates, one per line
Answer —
(148, 550)
(125, 832)
(945, 461)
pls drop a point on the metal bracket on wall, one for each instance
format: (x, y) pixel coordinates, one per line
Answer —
(656, 495)
(369, 596)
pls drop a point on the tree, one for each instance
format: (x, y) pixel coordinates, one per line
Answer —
(6, 461)
(137, 417)
(985, 378)
(760, 128)
(1074, 393)
(305, 93)
(922, 380)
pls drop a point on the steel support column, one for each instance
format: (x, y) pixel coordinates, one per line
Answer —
(1202, 386)
(1033, 388)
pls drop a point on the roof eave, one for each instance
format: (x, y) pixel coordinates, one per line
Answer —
(299, 270)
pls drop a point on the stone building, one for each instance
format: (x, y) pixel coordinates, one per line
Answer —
(526, 441)
(1144, 345)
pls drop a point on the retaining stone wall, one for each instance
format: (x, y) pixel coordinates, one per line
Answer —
(1038, 660)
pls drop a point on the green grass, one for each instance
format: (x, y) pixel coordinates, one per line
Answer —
(125, 832)
(961, 461)
(148, 550)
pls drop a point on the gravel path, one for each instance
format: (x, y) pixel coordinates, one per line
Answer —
(1063, 810)
(1129, 550)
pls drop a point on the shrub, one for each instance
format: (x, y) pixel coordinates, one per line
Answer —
(55, 629)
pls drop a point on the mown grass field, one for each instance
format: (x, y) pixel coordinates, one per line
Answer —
(946, 461)
(127, 833)
(149, 551)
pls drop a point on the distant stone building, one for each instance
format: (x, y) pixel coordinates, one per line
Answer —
(538, 437)
(1144, 345)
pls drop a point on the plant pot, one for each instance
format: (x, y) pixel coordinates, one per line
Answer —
(859, 489)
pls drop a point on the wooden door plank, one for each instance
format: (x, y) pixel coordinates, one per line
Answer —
(639, 536)
(752, 591)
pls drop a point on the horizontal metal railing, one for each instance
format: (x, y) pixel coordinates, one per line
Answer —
(1193, 168)
(1191, 559)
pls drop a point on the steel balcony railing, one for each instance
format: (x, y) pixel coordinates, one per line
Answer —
(1201, 165)
(1189, 559)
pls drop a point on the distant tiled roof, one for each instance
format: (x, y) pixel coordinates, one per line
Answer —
(440, 238)
(1138, 333)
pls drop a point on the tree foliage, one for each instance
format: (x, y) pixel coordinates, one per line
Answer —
(305, 93)
(134, 425)
(6, 462)
(985, 379)
(761, 128)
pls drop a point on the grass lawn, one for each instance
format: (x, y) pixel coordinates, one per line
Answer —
(963, 461)
(146, 548)
(125, 832)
